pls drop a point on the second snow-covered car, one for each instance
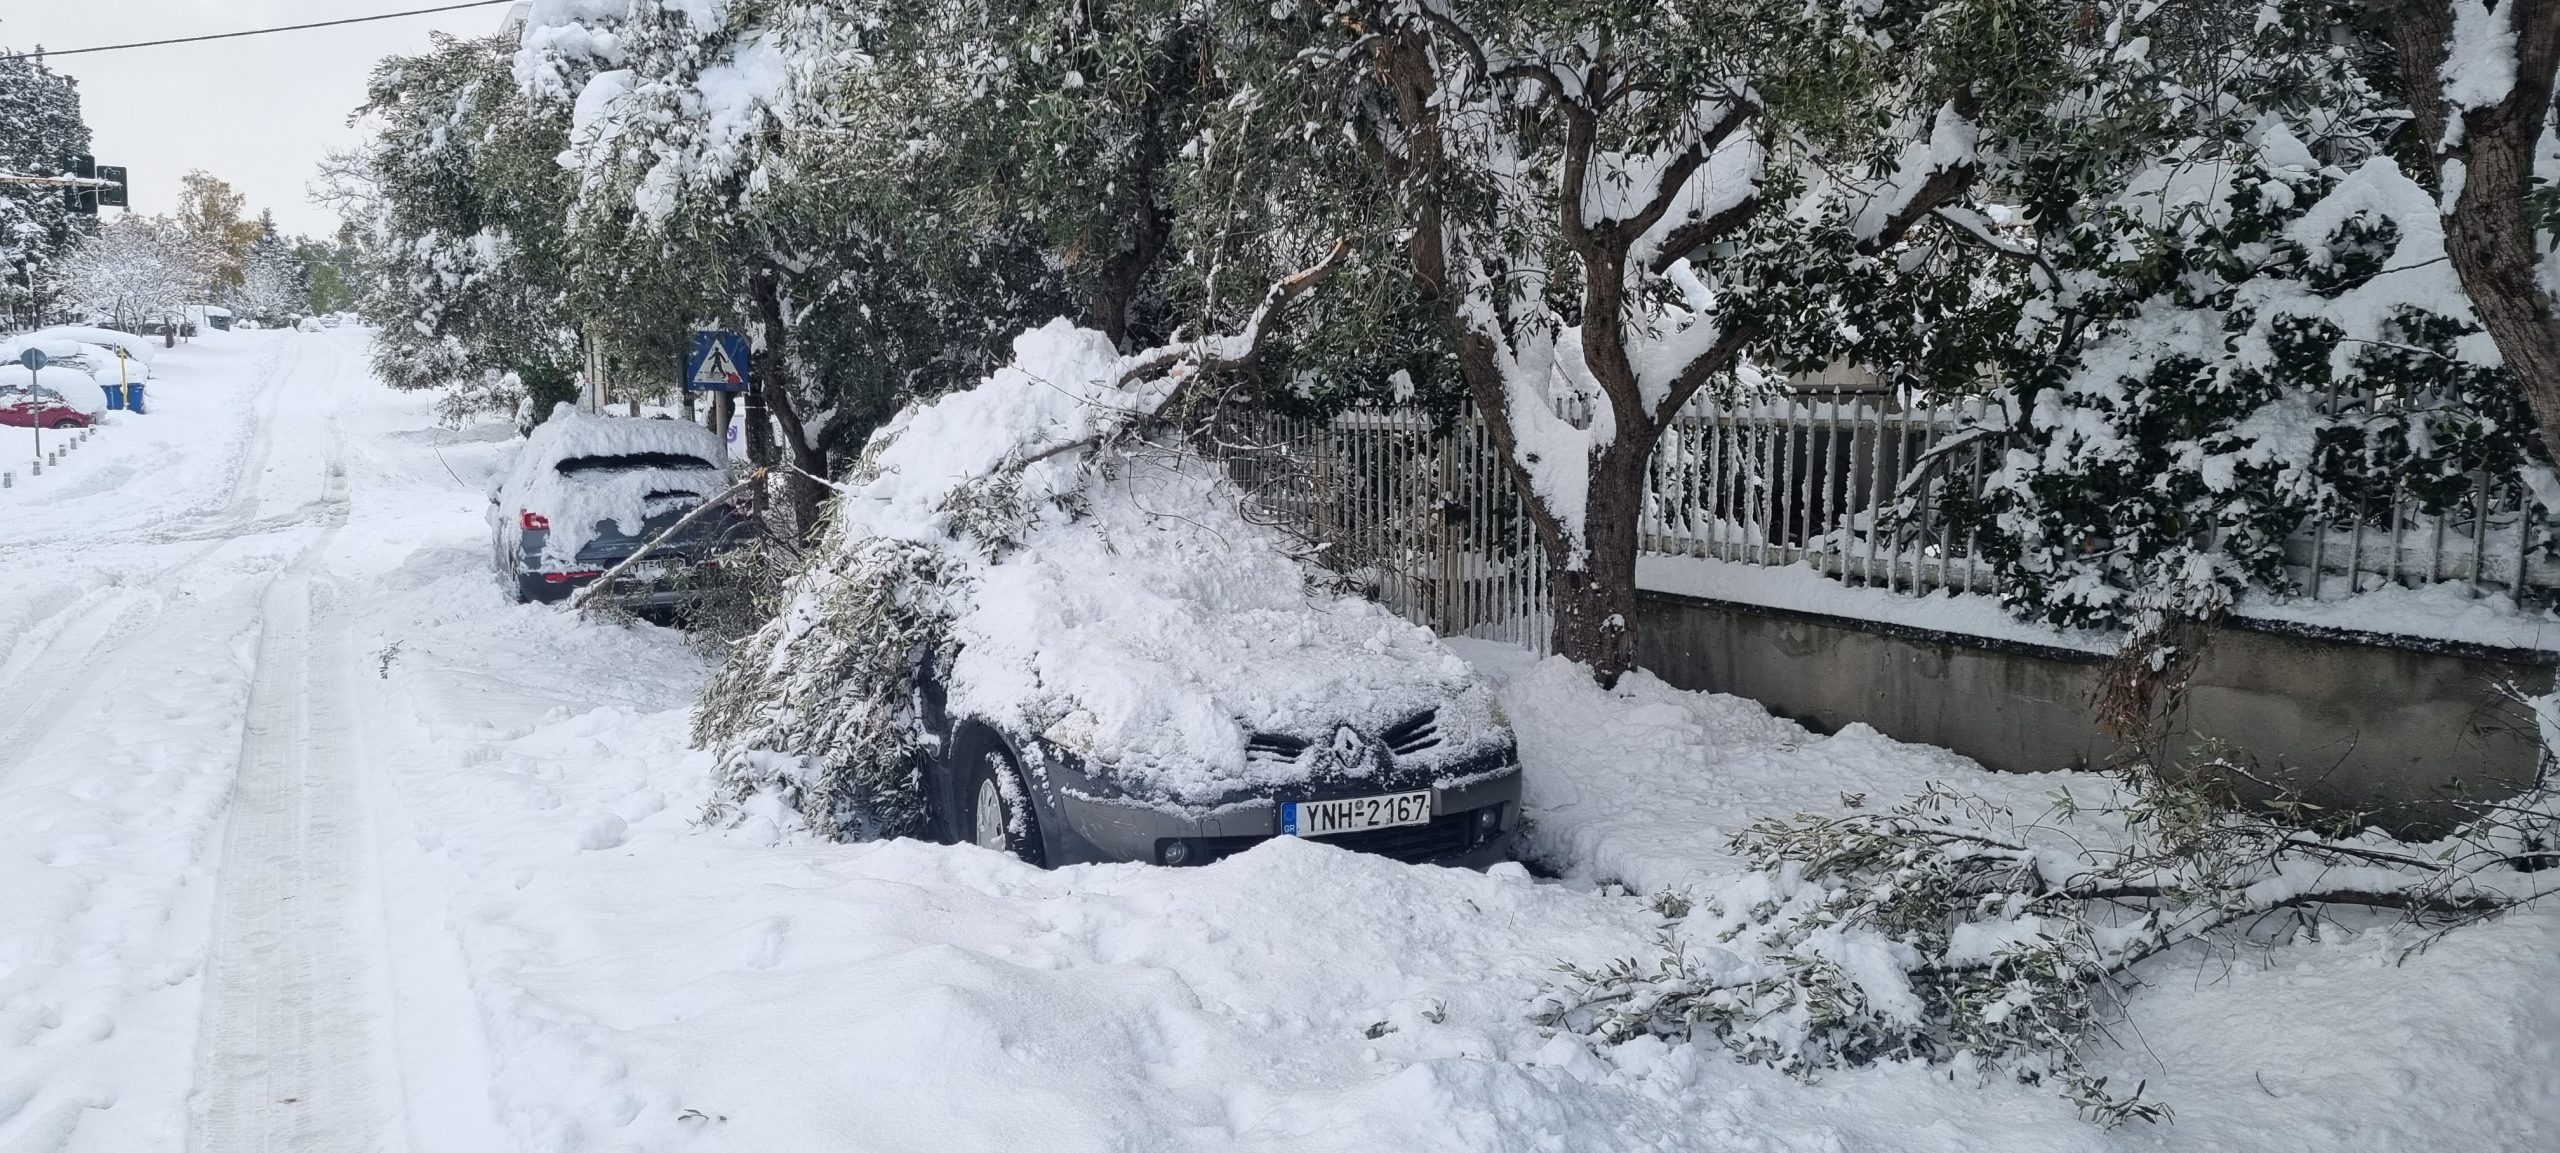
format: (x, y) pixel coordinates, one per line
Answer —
(589, 490)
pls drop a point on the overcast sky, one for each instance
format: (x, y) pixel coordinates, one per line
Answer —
(258, 112)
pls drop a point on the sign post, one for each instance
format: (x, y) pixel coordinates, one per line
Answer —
(719, 364)
(35, 360)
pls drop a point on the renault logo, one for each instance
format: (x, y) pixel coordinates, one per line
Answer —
(1350, 749)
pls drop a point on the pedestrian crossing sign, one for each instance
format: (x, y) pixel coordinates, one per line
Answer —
(718, 363)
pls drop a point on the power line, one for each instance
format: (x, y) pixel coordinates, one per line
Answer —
(254, 31)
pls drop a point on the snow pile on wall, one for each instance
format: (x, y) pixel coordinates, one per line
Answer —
(579, 505)
(1106, 596)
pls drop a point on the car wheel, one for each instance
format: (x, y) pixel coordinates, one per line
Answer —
(995, 809)
(66, 422)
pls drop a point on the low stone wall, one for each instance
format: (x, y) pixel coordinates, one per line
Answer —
(2352, 719)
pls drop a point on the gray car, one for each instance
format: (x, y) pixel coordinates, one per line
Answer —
(1380, 785)
(591, 490)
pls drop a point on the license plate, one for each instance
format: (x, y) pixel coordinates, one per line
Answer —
(650, 572)
(1354, 814)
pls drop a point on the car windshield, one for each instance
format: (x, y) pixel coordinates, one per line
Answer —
(628, 461)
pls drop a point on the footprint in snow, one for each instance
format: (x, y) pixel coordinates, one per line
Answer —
(765, 942)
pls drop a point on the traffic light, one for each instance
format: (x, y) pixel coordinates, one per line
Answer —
(87, 201)
(83, 200)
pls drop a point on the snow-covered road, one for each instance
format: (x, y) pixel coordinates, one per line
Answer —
(310, 841)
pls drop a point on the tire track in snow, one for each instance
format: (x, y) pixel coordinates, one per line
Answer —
(289, 1057)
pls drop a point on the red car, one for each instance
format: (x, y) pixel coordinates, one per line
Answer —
(48, 411)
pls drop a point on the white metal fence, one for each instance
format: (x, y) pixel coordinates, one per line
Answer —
(1425, 515)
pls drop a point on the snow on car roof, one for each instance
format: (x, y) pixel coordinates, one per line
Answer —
(1156, 628)
(140, 348)
(77, 388)
(575, 503)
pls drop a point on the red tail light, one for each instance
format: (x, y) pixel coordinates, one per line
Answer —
(561, 578)
(533, 521)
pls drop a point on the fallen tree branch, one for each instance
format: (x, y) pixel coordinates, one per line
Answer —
(1203, 355)
(579, 599)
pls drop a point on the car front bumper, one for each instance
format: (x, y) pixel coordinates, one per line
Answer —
(1460, 833)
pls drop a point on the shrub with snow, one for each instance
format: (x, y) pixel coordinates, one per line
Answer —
(1067, 581)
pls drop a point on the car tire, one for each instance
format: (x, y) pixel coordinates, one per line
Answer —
(995, 809)
(65, 422)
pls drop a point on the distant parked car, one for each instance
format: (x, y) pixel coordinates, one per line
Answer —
(590, 490)
(49, 410)
(310, 324)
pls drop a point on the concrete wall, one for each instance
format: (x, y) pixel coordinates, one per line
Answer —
(2354, 722)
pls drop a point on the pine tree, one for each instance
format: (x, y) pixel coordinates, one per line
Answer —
(41, 133)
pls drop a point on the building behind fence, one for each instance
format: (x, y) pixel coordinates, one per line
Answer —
(1425, 515)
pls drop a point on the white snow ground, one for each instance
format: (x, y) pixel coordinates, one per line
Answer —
(310, 841)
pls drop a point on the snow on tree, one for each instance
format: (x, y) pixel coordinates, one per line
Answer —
(135, 270)
(457, 206)
(744, 161)
(1614, 207)
(2231, 313)
(41, 131)
(274, 284)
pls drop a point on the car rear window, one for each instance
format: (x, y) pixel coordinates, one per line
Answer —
(624, 462)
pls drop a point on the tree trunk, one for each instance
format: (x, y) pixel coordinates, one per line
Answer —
(1595, 605)
(1125, 274)
(776, 384)
(2489, 234)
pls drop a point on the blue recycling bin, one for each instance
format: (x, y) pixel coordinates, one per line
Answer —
(115, 397)
(133, 397)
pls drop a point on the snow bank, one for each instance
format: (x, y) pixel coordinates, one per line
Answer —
(581, 506)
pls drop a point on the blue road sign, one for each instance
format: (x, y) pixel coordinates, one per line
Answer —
(718, 363)
(34, 359)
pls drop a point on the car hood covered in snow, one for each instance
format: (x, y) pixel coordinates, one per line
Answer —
(1139, 619)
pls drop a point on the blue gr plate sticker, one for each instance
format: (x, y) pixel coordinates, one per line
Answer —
(1289, 819)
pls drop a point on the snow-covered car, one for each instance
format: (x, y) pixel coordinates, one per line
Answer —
(74, 377)
(46, 409)
(588, 491)
(1098, 655)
